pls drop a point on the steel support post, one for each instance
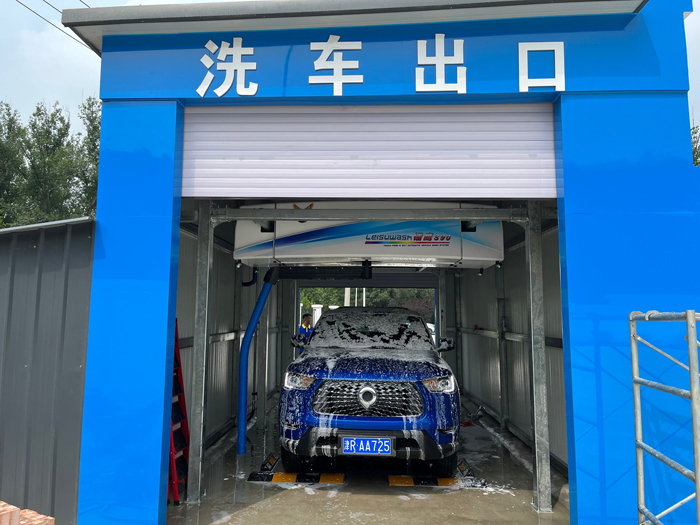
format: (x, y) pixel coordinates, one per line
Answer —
(542, 490)
(287, 316)
(237, 307)
(273, 337)
(458, 325)
(297, 313)
(638, 437)
(197, 405)
(441, 321)
(281, 333)
(502, 346)
(290, 329)
(694, 396)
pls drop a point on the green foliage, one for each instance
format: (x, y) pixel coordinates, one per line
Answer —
(90, 113)
(48, 173)
(49, 152)
(418, 299)
(696, 145)
(12, 166)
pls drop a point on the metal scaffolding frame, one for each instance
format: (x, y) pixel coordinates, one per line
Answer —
(530, 218)
(645, 516)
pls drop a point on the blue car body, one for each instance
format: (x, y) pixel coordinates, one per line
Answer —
(425, 425)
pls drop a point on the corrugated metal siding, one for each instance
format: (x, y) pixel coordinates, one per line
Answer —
(557, 404)
(519, 387)
(272, 341)
(220, 367)
(555, 356)
(481, 365)
(45, 279)
(220, 371)
(185, 304)
(491, 151)
(517, 315)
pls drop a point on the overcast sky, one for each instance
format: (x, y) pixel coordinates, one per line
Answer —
(37, 62)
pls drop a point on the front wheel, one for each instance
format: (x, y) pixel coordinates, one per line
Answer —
(444, 467)
(294, 463)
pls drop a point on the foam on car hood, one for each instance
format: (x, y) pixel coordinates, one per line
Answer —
(372, 364)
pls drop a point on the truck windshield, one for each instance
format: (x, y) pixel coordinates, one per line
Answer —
(371, 328)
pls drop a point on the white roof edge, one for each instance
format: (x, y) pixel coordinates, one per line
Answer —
(90, 24)
(42, 225)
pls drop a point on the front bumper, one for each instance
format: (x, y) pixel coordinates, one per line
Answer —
(409, 444)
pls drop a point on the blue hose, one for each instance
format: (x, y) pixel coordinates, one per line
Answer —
(243, 367)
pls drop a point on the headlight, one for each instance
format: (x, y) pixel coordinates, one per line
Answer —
(297, 381)
(440, 385)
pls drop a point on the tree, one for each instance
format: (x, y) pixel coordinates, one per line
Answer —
(12, 165)
(696, 145)
(50, 155)
(90, 113)
(47, 173)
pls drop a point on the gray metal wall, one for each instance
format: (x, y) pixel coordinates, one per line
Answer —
(480, 370)
(221, 369)
(45, 279)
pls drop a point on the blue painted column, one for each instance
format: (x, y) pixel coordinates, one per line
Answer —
(128, 385)
(629, 222)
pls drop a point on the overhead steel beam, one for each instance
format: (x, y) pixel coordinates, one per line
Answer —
(197, 404)
(518, 215)
(542, 489)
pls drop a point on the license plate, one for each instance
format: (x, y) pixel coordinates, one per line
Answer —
(368, 446)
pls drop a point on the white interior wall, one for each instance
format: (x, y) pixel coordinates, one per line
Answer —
(220, 360)
(481, 366)
(450, 319)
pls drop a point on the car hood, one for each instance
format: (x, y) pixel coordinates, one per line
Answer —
(370, 364)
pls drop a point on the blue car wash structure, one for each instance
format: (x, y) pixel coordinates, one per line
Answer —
(564, 121)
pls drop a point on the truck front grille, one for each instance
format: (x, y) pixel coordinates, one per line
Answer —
(394, 399)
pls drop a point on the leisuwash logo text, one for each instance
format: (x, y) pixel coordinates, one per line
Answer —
(417, 239)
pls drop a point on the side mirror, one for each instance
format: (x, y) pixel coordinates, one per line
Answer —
(299, 341)
(446, 344)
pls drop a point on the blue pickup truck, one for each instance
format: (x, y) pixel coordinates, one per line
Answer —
(370, 382)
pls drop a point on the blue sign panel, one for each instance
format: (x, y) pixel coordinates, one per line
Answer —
(423, 61)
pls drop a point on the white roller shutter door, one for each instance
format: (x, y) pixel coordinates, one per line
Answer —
(416, 152)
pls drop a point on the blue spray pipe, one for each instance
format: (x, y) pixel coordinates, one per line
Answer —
(271, 278)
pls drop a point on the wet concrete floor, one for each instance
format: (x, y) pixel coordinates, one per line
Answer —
(366, 496)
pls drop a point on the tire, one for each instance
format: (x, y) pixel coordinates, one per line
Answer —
(444, 467)
(294, 463)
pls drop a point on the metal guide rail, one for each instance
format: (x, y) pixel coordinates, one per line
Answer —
(690, 318)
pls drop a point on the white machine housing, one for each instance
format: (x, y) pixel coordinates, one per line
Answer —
(384, 243)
